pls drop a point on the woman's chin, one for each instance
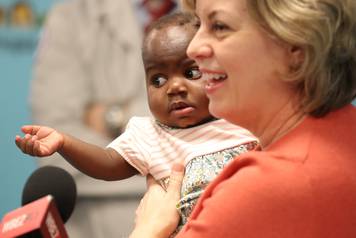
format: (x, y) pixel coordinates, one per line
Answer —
(216, 110)
(225, 113)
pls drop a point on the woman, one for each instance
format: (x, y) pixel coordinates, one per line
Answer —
(285, 70)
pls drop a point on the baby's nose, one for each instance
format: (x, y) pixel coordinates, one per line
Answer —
(176, 86)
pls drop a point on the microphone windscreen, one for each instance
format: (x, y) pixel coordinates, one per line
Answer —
(50, 180)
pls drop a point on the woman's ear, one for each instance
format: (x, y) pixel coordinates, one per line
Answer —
(296, 56)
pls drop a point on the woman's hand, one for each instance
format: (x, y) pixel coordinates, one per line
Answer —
(157, 216)
(39, 140)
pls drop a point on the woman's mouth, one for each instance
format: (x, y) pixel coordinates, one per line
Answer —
(213, 81)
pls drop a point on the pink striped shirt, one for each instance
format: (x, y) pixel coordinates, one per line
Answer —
(152, 149)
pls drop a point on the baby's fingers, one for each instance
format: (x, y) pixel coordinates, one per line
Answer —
(18, 142)
(22, 143)
(30, 145)
(30, 129)
(36, 148)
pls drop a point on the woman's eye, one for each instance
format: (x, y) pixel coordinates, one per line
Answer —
(158, 80)
(218, 26)
(192, 73)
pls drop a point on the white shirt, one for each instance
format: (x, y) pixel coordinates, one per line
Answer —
(152, 148)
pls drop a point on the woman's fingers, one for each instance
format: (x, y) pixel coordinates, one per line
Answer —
(150, 181)
(158, 207)
(175, 180)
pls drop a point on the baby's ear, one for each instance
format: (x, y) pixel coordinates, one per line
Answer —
(296, 56)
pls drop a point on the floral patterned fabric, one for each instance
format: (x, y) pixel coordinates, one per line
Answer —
(199, 172)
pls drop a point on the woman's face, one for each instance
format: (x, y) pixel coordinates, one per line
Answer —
(240, 62)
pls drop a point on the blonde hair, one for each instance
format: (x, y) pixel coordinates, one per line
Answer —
(325, 30)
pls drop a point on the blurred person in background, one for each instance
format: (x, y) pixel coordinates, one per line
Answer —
(88, 81)
(151, 10)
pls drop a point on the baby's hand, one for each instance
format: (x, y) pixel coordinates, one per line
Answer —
(39, 140)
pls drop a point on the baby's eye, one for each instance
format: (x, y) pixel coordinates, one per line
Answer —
(196, 23)
(158, 80)
(192, 73)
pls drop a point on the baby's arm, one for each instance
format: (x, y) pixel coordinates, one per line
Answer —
(92, 160)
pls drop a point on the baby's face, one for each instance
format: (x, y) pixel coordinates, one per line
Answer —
(175, 89)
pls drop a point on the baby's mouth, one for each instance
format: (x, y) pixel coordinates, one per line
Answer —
(180, 108)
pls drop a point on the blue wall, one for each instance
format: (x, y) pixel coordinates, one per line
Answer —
(17, 48)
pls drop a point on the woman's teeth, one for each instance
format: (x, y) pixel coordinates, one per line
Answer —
(214, 76)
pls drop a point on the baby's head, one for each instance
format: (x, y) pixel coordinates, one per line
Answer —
(175, 89)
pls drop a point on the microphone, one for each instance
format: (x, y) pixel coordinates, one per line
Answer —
(48, 200)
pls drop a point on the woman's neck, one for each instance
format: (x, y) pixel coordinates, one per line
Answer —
(271, 135)
(278, 124)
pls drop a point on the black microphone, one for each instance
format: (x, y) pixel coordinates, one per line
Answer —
(47, 189)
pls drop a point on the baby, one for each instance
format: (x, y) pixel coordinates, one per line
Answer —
(182, 128)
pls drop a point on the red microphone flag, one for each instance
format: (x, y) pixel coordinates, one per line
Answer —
(39, 216)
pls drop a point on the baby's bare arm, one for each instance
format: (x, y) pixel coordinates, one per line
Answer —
(95, 161)
(92, 160)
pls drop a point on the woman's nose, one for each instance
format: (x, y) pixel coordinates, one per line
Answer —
(199, 48)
